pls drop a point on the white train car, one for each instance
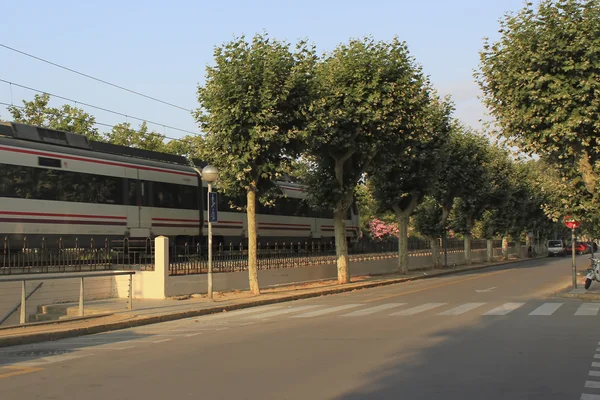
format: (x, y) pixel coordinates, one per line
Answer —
(59, 186)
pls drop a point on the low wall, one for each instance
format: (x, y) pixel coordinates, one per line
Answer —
(158, 284)
(197, 284)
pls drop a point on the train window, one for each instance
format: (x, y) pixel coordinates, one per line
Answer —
(49, 162)
(47, 184)
(169, 195)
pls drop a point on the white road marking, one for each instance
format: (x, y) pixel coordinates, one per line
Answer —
(596, 364)
(163, 340)
(372, 310)
(586, 396)
(51, 360)
(596, 355)
(418, 309)
(592, 384)
(329, 310)
(193, 334)
(504, 309)
(594, 373)
(588, 309)
(282, 312)
(462, 309)
(546, 309)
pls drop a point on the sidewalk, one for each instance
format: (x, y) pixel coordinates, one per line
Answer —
(102, 317)
(591, 294)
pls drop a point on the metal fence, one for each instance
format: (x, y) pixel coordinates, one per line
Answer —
(73, 255)
(186, 260)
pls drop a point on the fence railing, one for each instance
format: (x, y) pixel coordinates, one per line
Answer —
(28, 290)
(77, 256)
(186, 260)
(73, 255)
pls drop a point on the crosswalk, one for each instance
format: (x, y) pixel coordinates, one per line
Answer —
(434, 308)
(43, 354)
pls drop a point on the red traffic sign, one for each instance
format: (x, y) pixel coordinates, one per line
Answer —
(571, 223)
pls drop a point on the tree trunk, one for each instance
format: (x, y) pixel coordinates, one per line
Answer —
(468, 236)
(341, 246)
(468, 258)
(505, 247)
(490, 250)
(518, 246)
(252, 251)
(435, 252)
(402, 218)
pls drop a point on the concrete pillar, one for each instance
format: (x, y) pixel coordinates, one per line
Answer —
(160, 277)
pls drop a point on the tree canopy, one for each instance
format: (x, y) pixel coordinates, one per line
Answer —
(540, 82)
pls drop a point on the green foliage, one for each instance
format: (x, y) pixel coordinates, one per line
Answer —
(363, 98)
(540, 82)
(463, 162)
(407, 169)
(188, 146)
(368, 209)
(66, 118)
(250, 109)
(427, 217)
(124, 135)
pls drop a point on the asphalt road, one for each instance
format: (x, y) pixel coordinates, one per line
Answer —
(491, 334)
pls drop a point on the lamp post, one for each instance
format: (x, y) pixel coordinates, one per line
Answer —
(210, 175)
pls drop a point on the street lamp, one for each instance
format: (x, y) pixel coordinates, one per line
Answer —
(210, 175)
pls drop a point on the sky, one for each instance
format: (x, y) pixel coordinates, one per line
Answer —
(161, 48)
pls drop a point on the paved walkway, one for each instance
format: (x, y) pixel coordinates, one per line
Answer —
(152, 311)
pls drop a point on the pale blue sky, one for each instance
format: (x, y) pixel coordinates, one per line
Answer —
(161, 48)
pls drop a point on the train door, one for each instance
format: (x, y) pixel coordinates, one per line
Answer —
(133, 199)
(145, 211)
(139, 217)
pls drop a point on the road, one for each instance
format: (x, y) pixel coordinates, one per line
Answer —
(490, 334)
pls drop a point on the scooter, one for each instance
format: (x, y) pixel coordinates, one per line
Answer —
(593, 272)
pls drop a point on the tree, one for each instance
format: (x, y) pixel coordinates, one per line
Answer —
(464, 176)
(539, 82)
(188, 146)
(404, 172)
(363, 95)
(427, 217)
(250, 109)
(66, 118)
(124, 135)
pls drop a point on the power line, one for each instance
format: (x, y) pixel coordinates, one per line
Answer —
(97, 123)
(96, 79)
(96, 107)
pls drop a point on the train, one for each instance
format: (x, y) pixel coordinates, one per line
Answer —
(57, 187)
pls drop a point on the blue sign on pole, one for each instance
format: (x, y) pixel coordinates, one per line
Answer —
(212, 207)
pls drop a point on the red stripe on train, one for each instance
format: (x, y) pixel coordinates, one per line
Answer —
(60, 221)
(41, 214)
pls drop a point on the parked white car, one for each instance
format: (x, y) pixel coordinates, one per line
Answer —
(556, 248)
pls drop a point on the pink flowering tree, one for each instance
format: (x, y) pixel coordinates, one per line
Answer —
(382, 231)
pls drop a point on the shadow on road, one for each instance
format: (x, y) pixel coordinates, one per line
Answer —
(39, 351)
(497, 358)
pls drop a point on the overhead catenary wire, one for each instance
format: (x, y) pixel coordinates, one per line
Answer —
(99, 123)
(94, 78)
(96, 107)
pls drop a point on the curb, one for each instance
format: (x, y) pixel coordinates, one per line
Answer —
(141, 321)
